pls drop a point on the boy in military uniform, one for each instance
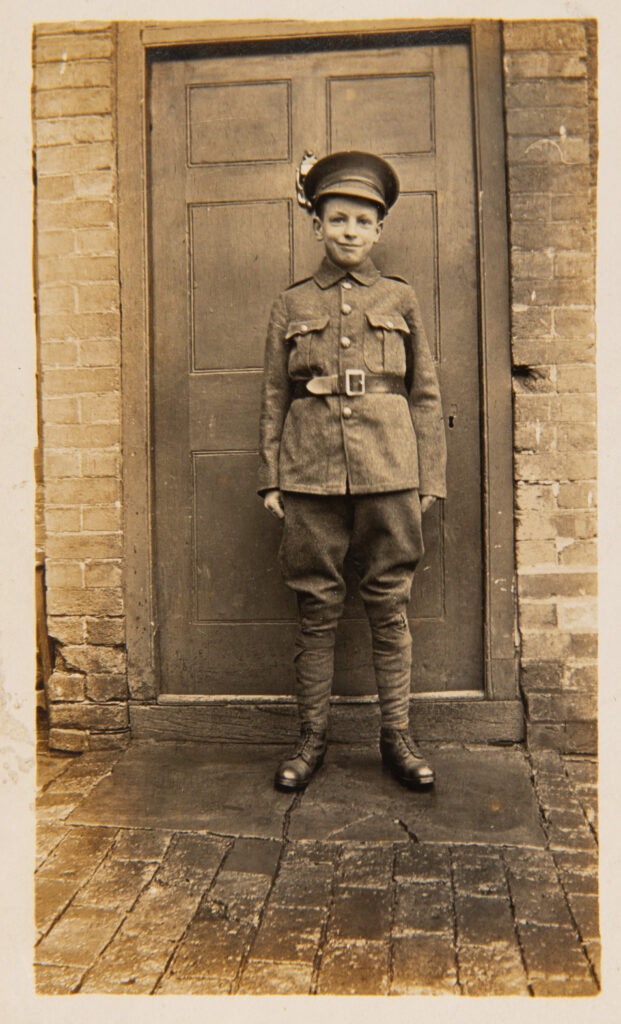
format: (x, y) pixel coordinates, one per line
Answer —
(352, 452)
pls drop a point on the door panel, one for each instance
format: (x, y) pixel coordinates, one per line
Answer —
(227, 236)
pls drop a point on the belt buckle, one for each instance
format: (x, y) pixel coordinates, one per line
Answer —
(359, 385)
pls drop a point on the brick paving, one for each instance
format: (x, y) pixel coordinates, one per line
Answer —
(153, 910)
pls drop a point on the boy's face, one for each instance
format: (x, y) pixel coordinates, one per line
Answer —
(348, 228)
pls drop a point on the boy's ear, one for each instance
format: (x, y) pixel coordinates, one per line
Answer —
(380, 225)
(318, 227)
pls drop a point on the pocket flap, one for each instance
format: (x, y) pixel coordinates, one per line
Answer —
(388, 321)
(306, 326)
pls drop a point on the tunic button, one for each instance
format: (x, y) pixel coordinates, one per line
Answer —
(345, 342)
(346, 412)
(389, 324)
(346, 284)
(346, 308)
(304, 327)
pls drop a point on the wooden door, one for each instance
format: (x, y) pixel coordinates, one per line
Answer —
(227, 235)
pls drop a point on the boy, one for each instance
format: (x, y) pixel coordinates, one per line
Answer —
(352, 451)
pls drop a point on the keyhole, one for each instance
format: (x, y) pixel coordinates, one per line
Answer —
(451, 422)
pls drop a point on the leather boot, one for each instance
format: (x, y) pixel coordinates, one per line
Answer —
(403, 758)
(296, 771)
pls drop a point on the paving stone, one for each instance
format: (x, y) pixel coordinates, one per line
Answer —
(78, 854)
(304, 885)
(422, 907)
(56, 806)
(57, 981)
(577, 862)
(538, 903)
(116, 884)
(423, 965)
(215, 985)
(240, 894)
(585, 909)
(77, 939)
(214, 946)
(483, 919)
(354, 970)
(144, 953)
(289, 933)
(256, 856)
(304, 851)
(481, 796)
(492, 970)
(164, 910)
(140, 844)
(51, 897)
(594, 953)
(48, 836)
(552, 952)
(365, 866)
(423, 863)
(49, 767)
(360, 914)
(564, 987)
(535, 864)
(567, 819)
(190, 786)
(574, 839)
(193, 860)
(267, 978)
(482, 876)
(106, 980)
(581, 771)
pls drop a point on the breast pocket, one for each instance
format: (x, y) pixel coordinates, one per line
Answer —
(304, 337)
(384, 343)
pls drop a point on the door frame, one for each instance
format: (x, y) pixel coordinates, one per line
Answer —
(136, 43)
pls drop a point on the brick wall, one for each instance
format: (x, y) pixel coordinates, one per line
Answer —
(551, 120)
(77, 290)
(551, 154)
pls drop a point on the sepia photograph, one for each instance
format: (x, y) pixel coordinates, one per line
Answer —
(316, 506)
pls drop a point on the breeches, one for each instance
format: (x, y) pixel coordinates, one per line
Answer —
(383, 533)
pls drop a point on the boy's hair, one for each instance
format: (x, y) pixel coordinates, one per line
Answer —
(319, 205)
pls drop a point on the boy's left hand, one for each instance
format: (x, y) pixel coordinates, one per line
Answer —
(426, 501)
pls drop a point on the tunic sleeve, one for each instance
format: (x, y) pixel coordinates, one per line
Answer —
(426, 408)
(275, 397)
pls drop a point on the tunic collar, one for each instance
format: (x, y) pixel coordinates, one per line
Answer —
(328, 273)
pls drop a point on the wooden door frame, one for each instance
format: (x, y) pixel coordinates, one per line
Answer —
(136, 42)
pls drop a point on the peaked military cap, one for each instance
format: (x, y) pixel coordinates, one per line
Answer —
(350, 173)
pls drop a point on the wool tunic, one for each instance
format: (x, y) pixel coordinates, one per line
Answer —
(334, 321)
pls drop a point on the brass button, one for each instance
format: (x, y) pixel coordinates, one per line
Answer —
(345, 342)
(346, 284)
(304, 327)
(347, 412)
(346, 308)
(389, 324)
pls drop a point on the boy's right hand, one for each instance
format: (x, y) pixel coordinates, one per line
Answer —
(272, 501)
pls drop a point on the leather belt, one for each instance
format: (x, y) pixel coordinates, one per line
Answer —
(352, 383)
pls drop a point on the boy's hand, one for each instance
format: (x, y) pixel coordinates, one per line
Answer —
(272, 501)
(426, 501)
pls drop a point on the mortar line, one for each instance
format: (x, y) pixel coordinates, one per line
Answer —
(326, 924)
(78, 890)
(245, 956)
(515, 923)
(393, 908)
(127, 912)
(177, 942)
(458, 981)
(574, 920)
